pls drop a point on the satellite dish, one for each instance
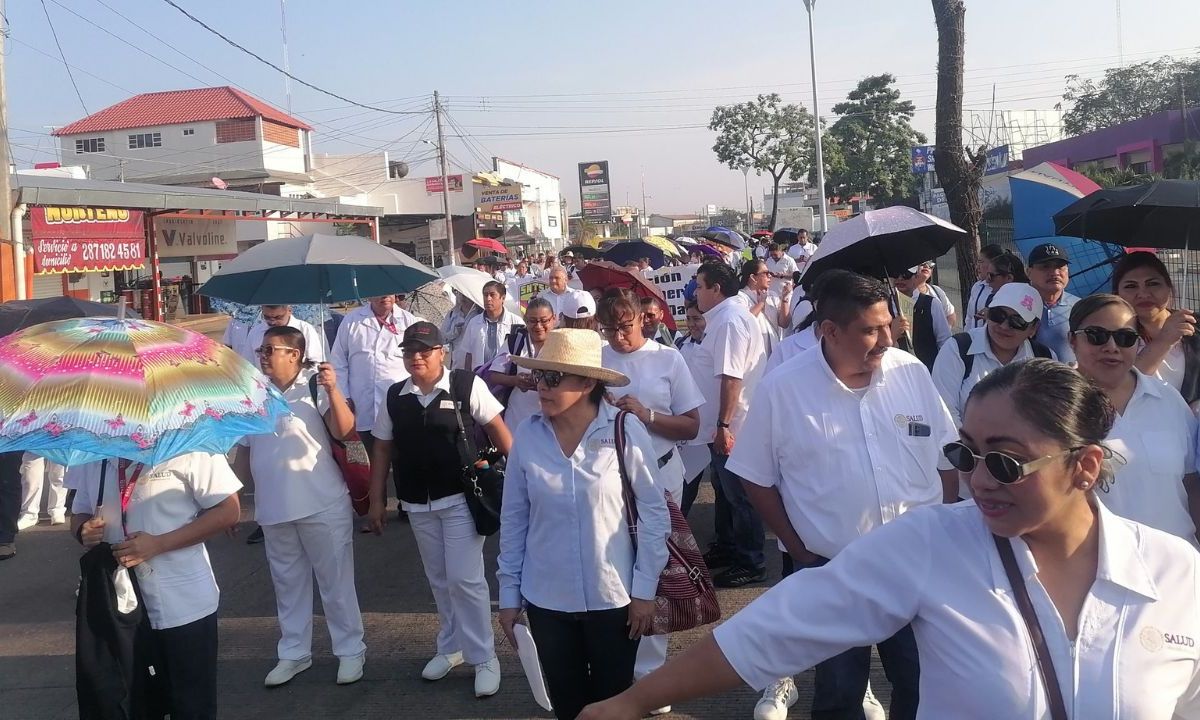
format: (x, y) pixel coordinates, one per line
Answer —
(220, 184)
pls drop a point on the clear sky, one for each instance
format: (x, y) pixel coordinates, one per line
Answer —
(551, 84)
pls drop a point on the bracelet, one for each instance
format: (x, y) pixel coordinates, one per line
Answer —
(651, 421)
(79, 534)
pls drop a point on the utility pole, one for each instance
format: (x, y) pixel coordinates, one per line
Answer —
(644, 218)
(287, 81)
(437, 114)
(812, 53)
(6, 207)
(749, 205)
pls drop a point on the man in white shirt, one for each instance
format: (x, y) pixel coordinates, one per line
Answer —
(729, 363)
(278, 316)
(455, 323)
(782, 269)
(840, 440)
(930, 330)
(483, 338)
(803, 249)
(558, 292)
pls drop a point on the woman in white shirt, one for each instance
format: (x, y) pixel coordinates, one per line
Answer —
(303, 507)
(1154, 430)
(1167, 345)
(1118, 603)
(566, 555)
(774, 312)
(662, 394)
(694, 454)
(527, 341)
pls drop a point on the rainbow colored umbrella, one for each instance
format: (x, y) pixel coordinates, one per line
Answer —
(81, 390)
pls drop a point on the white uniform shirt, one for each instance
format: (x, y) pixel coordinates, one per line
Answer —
(801, 253)
(948, 370)
(659, 378)
(295, 475)
(845, 462)
(937, 316)
(573, 281)
(767, 320)
(367, 359)
(732, 346)
(785, 264)
(943, 298)
(314, 348)
(558, 302)
(564, 543)
(977, 304)
(484, 408)
(1136, 654)
(452, 329)
(237, 337)
(474, 337)
(1171, 369)
(793, 345)
(1156, 436)
(178, 586)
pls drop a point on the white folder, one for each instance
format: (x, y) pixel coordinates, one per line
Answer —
(527, 651)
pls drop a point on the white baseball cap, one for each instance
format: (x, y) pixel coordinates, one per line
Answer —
(579, 305)
(1021, 298)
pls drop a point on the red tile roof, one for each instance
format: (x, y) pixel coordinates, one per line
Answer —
(175, 107)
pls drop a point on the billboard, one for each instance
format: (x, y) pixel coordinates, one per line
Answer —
(498, 198)
(595, 199)
(922, 159)
(997, 160)
(433, 185)
(196, 237)
(78, 240)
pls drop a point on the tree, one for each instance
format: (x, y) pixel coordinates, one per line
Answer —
(876, 138)
(1128, 93)
(1115, 177)
(960, 171)
(767, 136)
(1183, 164)
(728, 217)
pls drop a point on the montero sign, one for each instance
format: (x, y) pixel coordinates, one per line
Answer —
(79, 239)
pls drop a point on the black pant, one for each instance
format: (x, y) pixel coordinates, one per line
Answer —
(586, 657)
(691, 488)
(841, 681)
(186, 656)
(10, 495)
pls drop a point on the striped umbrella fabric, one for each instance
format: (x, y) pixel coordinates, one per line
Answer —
(81, 390)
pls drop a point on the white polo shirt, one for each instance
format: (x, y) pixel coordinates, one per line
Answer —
(785, 264)
(484, 408)
(557, 301)
(474, 337)
(948, 369)
(845, 461)
(295, 475)
(732, 346)
(178, 586)
(314, 348)
(768, 319)
(1137, 653)
(976, 304)
(1156, 436)
(937, 312)
(367, 359)
(237, 337)
(793, 345)
(801, 253)
(660, 380)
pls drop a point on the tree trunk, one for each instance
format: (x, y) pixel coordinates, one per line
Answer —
(959, 171)
(774, 201)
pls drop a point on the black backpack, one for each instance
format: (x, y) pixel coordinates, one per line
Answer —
(963, 339)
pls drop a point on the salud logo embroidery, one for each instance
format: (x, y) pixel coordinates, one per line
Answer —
(1152, 639)
(903, 420)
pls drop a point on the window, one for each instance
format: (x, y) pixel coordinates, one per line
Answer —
(89, 145)
(145, 140)
(189, 131)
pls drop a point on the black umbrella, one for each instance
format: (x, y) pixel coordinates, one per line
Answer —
(20, 314)
(1160, 214)
(586, 251)
(622, 252)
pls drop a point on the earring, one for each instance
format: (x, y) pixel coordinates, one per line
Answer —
(1084, 486)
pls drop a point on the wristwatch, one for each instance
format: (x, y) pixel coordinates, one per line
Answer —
(724, 425)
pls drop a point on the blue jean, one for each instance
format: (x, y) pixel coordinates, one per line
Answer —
(841, 681)
(739, 528)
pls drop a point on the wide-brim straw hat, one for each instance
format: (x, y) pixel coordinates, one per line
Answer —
(575, 352)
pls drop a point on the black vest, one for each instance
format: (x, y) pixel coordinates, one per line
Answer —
(427, 456)
(925, 345)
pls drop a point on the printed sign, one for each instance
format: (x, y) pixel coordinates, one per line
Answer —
(594, 191)
(195, 237)
(498, 198)
(528, 290)
(997, 160)
(433, 185)
(78, 240)
(671, 281)
(922, 159)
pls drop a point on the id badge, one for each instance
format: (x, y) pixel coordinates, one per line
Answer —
(919, 429)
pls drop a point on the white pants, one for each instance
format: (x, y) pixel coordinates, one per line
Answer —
(34, 471)
(452, 553)
(652, 650)
(321, 544)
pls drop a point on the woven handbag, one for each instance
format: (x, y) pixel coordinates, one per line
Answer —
(686, 597)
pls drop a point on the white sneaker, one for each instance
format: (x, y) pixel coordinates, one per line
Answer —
(26, 521)
(350, 669)
(285, 671)
(776, 699)
(487, 678)
(662, 710)
(872, 709)
(441, 665)
(58, 517)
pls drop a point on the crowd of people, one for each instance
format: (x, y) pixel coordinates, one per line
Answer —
(1003, 500)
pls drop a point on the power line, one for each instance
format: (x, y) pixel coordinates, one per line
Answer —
(280, 70)
(62, 56)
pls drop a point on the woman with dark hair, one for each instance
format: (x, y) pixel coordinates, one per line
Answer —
(977, 297)
(1033, 580)
(567, 557)
(694, 453)
(1154, 430)
(1168, 347)
(1005, 268)
(774, 313)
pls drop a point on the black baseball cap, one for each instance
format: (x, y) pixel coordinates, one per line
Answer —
(422, 336)
(1047, 252)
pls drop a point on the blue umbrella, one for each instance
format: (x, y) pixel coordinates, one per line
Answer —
(727, 236)
(626, 250)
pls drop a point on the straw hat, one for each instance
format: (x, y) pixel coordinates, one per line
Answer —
(576, 352)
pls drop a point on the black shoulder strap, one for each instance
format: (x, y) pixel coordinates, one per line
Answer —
(460, 386)
(1039, 350)
(103, 474)
(631, 516)
(517, 339)
(963, 340)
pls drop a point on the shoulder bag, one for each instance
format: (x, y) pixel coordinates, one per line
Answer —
(1058, 710)
(351, 458)
(482, 477)
(686, 597)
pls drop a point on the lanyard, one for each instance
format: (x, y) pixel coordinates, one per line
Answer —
(125, 486)
(389, 324)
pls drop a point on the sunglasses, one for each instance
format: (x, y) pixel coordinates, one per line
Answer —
(1006, 469)
(1001, 316)
(552, 378)
(268, 350)
(422, 353)
(1098, 336)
